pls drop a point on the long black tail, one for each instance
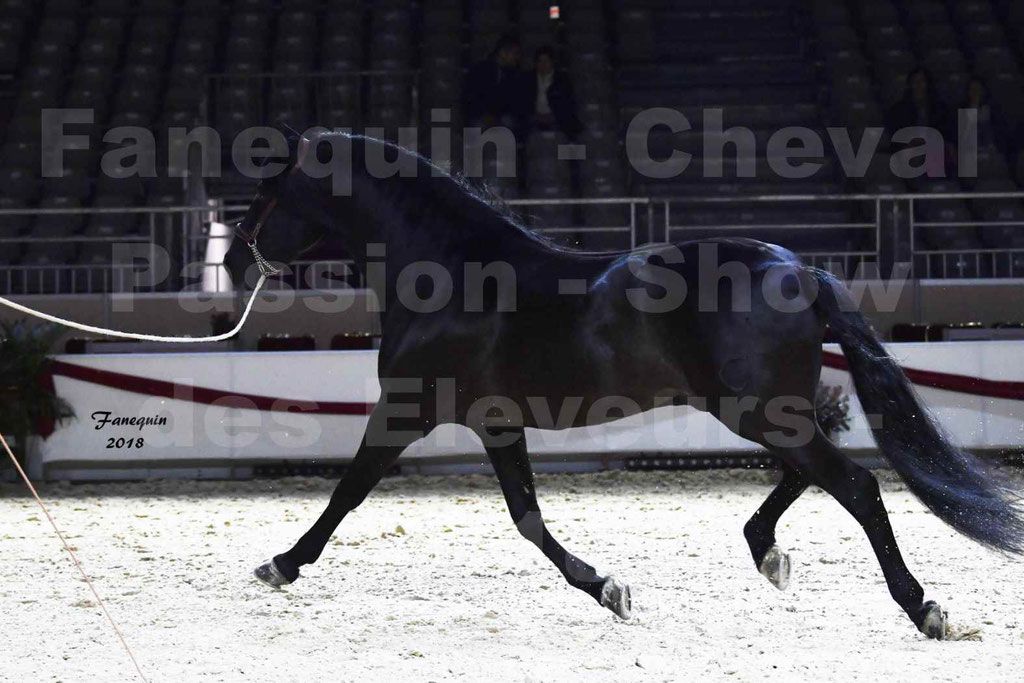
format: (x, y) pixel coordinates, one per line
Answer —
(952, 483)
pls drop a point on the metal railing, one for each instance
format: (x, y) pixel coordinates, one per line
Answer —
(56, 273)
(636, 213)
(856, 241)
(312, 275)
(135, 261)
(876, 228)
(933, 259)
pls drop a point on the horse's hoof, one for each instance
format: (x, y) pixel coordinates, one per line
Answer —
(616, 597)
(776, 567)
(934, 623)
(269, 574)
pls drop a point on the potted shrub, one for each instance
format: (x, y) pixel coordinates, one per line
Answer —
(27, 400)
(832, 408)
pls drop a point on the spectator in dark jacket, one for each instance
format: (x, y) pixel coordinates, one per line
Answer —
(494, 86)
(919, 106)
(992, 129)
(552, 105)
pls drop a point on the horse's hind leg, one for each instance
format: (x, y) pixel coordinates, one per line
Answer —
(856, 489)
(507, 452)
(769, 559)
(384, 440)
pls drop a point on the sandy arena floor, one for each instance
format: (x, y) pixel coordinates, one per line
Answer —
(429, 581)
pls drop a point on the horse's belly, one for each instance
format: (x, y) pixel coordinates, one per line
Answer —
(586, 395)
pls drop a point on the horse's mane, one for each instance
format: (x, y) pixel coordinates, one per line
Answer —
(435, 184)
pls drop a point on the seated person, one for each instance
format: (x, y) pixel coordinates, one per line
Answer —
(493, 87)
(551, 102)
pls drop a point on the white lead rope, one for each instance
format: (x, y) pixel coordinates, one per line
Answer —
(266, 269)
(141, 337)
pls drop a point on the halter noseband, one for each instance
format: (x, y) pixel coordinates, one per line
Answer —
(266, 268)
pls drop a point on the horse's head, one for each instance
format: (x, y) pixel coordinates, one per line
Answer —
(274, 222)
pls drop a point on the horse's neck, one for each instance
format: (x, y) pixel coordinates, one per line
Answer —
(371, 235)
(384, 236)
(406, 229)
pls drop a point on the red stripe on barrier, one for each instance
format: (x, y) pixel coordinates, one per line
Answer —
(194, 394)
(962, 384)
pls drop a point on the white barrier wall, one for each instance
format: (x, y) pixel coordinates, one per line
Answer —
(171, 410)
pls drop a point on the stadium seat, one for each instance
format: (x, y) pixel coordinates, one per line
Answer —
(935, 36)
(113, 7)
(813, 63)
(920, 12)
(968, 12)
(12, 226)
(58, 225)
(826, 12)
(11, 40)
(879, 13)
(19, 183)
(112, 224)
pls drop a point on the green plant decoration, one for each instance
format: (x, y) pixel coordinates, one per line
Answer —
(26, 399)
(832, 409)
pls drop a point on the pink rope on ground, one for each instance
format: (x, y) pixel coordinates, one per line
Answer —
(78, 564)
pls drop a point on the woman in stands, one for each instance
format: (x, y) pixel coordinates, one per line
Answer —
(920, 107)
(992, 129)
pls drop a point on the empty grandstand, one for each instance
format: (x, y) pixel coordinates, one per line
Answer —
(739, 71)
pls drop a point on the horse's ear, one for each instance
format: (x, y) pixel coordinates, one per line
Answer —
(288, 131)
(293, 137)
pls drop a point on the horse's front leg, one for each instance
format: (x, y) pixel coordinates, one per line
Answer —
(383, 441)
(507, 451)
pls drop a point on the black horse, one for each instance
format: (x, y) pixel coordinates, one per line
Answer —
(733, 327)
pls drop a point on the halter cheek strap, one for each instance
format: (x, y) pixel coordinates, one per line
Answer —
(266, 268)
